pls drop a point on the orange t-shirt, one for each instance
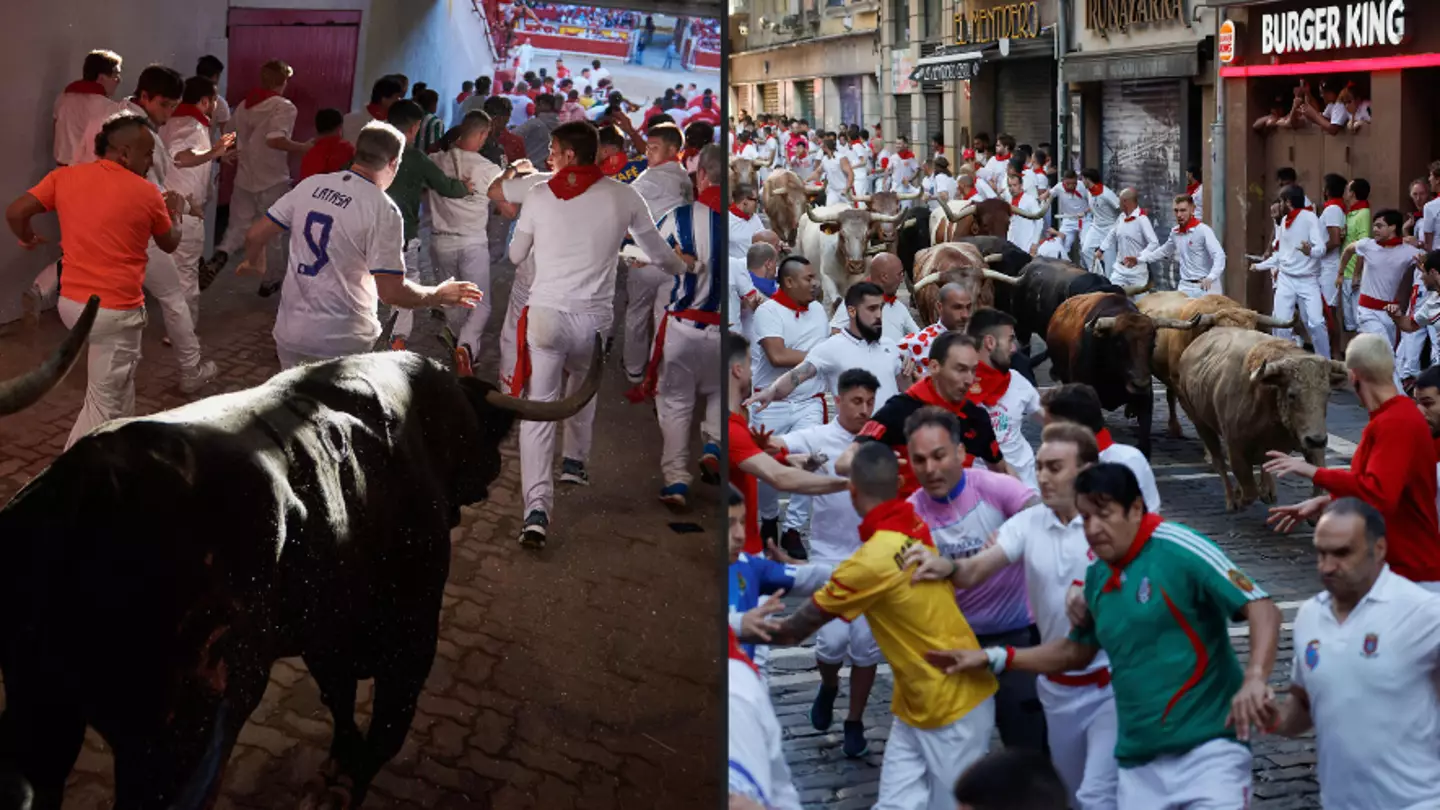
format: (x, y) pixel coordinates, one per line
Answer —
(329, 154)
(107, 216)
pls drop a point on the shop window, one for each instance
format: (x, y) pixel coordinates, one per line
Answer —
(900, 18)
(934, 25)
(1276, 100)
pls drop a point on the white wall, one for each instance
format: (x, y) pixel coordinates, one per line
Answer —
(440, 42)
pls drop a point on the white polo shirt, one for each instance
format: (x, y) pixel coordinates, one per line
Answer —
(799, 331)
(1134, 459)
(895, 321)
(463, 216)
(834, 523)
(1373, 695)
(1055, 556)
(843, 351)
(262, 166)
(1007, 417)
(1384, 267)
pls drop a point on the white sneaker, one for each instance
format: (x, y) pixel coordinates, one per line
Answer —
(190, 383)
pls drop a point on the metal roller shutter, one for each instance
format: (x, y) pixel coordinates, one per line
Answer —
(934, 119)
(1140, 148)
(744, 98)
(805, 101)
(1025, 100)
(770, 98)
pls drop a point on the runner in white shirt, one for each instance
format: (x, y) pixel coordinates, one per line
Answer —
(459, 246)
(1049, 540)
(886, 271)
(85, 102)
(1193, 244)
(744, 219)
(1005, 395)
(1078, 403)
(572, 300)
(998, 166)
(1024, 232)
(210, 67)
(859, 345)
(860, 157)
(664, 186)
(1132, 236)
(757, 771)
(834, 170)
(1052, 246)
(881, 180)
(1301, 244)
(1104, 212)
(1365, 671)
(509, 193)
(1074, 205)
(347, 244)
(187, 141)
(1333, 224)
(744, 297)
(834, 536)
(385, 92)
(1384, 262)
(598, 73)
(945, 186)
(770, 156)
(264, 123)
(1427, 385)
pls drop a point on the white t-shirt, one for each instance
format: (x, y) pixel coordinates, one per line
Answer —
(466, 216)
(757, 759)
(576, 274)
(516, 189)
(833, 172)
(741, 287)
(74, 114)
(353, 122)
(664, 188)
(1134, 459)
(261, 166)
(1372, 688)
(1332, 217)
(1384, 267)
(834, 523)
(1007, 417)
(1430, 220)
(742, 234)
(343, 231)
(1337, 114)
(1024, 233)
(843, 351)
(597, 74)
(801, 332)
(945, 184)
(185, 134)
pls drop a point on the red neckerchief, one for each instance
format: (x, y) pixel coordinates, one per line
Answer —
(1360, 205)
(1103, 439)
(890, 299)
(1390, 243)
(687, 153)
(1191, 189)
(259, 95)
(191, 111)
(1074, 191)
(1139, 212)
(1290, 217)
(613, 165)
(376, 111)
(572, 181)
(1040, 172)
(738, 654)
(1189, 226)
(1018, 197)
(86, 88)
(1097, 190)
(857, 142)
(464, 94)
(926, 392)
(896, 515)
(1336, 201)
(783, 299)
(905, 154)
(735, 209)
(1148, 525)
(940, 150)
(710, 198)
(973, 192)
(990, 385)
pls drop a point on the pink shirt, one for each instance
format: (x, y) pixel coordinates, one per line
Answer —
(965, 523)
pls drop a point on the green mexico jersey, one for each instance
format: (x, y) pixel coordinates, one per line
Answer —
(1164, 626)
(1357, 227)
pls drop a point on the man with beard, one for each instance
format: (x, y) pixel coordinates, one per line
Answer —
(857, 347)
(1193, 244)
(1006, 396)
(896, 322)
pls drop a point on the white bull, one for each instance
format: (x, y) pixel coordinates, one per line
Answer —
(835, 239)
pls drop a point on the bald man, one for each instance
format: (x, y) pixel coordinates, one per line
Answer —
(1132, 235)
(758, 266)
(888, 274)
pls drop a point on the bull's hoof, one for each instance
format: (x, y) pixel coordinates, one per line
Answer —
(1174, 432)
(1268, 498)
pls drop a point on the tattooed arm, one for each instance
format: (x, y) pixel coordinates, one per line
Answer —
(786, 385)
(799, 625)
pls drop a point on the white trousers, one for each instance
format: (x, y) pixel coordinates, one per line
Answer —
(245, 208)
(1328, 290)
(519, 297)
(862, 182)
(466, 258)
(688, 371)
(187, 263)
(1090, 241)
(781, 417)
(162, 280)
(1069, 233)
(920, 766)
(109, 365)
(290, 359)
(642, 286)
(1349, 303)
(1128, 276)
(1376, 322)
(1213, 776)
(405, 321)
(840, 643)
(1193, 289)
(1081, 726)
(836, 196)
(561, 346)
(1302, 292)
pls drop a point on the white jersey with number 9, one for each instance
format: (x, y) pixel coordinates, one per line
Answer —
(343, 231)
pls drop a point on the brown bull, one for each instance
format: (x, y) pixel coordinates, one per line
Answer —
(955, 262)
(742, 171)
(1214, 310)
(974, 218)
(1249, 393)
(784, 199)
(887, 203)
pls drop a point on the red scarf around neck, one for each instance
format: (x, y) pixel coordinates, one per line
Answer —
(1017, 198)
(890, 299)
(376, 111)
(1336, 201)
(1360, 205)
(1037, 170)
(687, 153)
(1290, 217)
(1097, 190)
(572, 181)
(1103, 440)
(738, 654)
(973, 192)
(1139, 212)
(710, 198)
(191, 111)
(256, 96)
(1191, 189)
(896, 515)
(1148, 525)
(783, 299)
(905, 154)
(1394, 241)
(86, 88)
(926, 392)
(614, 164)
(990, 385)
(1189, 226)
(735, 209)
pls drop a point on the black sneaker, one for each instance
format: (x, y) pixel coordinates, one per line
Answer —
(791, 543)
(855, 745)
(267, 290)
(533, 534)
(211, 269)
(573, 472)
(822, 711)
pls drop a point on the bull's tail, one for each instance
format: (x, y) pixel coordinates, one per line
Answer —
(912, 236)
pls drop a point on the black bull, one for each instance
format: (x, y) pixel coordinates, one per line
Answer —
(1038, 290)
(152, 574)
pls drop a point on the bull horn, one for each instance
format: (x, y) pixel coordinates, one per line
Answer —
(829, 217)
(27, 389)
(1014, 209)
(995, 258)
(862, 198)
(954, 217)
(995, 275)
(1176, 323)
(1101, 326)
(1136, 289)
(885, 217)
(1271, 322)
(875, 250)
(909, 196)
(933, 278)
(532, 411)
(1205, 321)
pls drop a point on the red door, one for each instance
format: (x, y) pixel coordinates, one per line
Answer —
(321, 47)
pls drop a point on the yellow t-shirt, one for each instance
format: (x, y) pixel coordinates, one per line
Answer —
(907, 620)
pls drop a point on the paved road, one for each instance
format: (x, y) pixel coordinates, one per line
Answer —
(1192, 494)
(582, 677)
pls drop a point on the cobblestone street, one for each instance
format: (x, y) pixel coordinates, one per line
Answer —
(1191, 494)
(585, 676)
